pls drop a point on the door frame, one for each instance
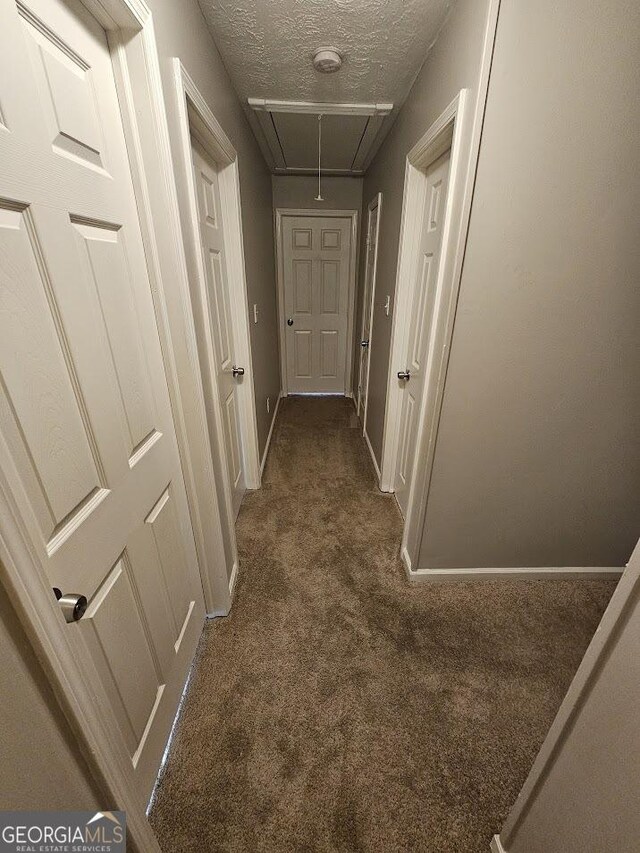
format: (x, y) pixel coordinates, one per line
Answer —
(376, 201)
(131, 37)
(445, 134)
(281, 212)
(195, 118)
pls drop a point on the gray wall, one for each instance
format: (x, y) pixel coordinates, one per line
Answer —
(298, 191)
(588, 800)
(452, 64)
(537, 460)
(41, 767)
(181, 31)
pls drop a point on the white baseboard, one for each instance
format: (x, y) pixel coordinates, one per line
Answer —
(233, 579)
(216, 614)
(521, 572)
(496, 845)
(268, 444)
(373, 456)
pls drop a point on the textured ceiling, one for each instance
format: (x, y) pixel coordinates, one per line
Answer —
(267, 46)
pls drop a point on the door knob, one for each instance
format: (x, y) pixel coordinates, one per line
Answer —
(72, 604)
(237, 371)
(290, 321)
(404, 374)
(364, 343)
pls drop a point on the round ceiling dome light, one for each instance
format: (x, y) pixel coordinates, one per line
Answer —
(327, 60)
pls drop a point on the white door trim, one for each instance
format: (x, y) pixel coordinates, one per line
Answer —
(376, 201)
(130, 31)
(317, 214)
(196, 117)
(449, 131)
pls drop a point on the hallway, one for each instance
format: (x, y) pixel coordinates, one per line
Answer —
(336, 708)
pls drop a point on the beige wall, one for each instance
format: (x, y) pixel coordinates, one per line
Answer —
(40, 767)
(299, 191)
(587, 801)
(537, 460)
(452, 64)
(181, 32)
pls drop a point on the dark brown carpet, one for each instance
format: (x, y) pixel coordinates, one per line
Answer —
(338, 709)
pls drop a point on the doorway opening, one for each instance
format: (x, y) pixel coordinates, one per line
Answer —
(374, 210)
(429, 263)
(316, 265)
(212, 226)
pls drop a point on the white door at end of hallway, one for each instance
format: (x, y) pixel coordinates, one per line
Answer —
(87, 443)
(367, 306)
(422, 315)
(316, 255)
(218, 317)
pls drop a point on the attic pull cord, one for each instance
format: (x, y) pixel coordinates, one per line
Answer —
(319, 196)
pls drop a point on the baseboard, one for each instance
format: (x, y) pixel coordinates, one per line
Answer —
(233, 579)
(373, 456)
(517, 572)
(268, 444)
(523, 572)
(496, 845)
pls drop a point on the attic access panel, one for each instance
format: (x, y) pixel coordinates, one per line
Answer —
(298, 137)
(288, 133)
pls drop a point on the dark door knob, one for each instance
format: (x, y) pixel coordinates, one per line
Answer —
(290, 321)
(404, 374)
(237, 371)
(364, 343)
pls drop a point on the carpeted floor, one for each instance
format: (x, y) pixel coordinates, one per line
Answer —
(338, 709)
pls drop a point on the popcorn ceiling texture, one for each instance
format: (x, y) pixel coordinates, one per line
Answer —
(267, 46)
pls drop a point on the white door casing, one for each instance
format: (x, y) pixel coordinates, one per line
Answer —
(421, 321)
(316, 256)
(219, 318)
(368, 299)
(87, 441)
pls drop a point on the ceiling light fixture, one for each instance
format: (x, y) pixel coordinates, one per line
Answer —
(319, 196)
(327, 60)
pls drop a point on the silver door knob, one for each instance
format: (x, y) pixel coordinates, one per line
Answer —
(237, 371)
(72, 604)
(404, 374)
(290, 321)
(364, 343)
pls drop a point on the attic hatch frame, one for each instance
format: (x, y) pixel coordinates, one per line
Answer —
(261, 118)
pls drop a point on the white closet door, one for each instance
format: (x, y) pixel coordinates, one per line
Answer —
(218, 310)
(316, 254)
(86, 433)
(424, 289)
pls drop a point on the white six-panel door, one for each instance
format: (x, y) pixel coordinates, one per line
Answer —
(373, 226)
(424, 290)
(218, 310)
(316, 254)
(87, 439)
